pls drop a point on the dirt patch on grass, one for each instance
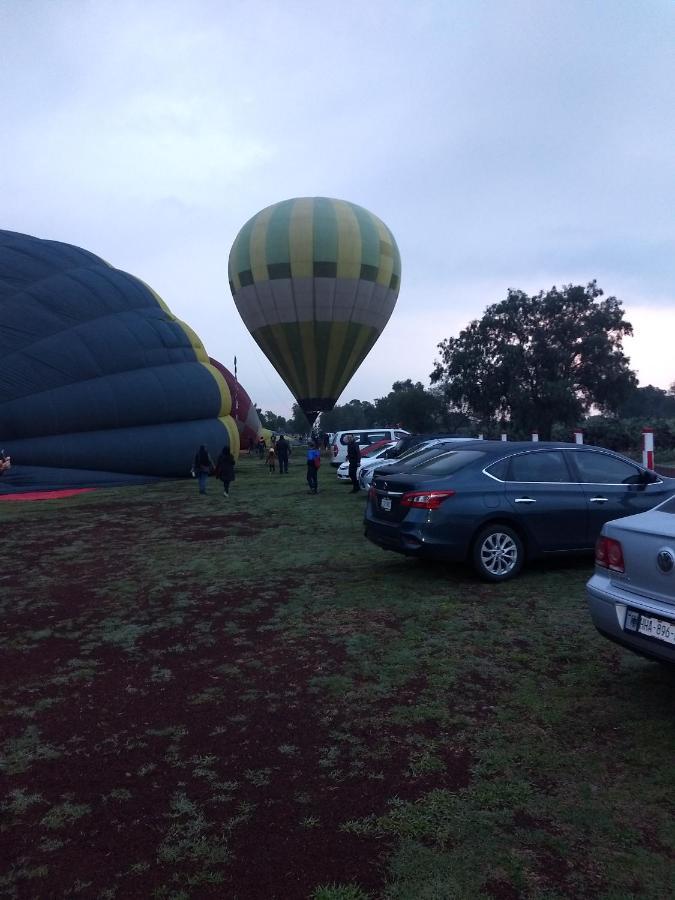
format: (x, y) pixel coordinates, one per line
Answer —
(191, 749)
(198, 703)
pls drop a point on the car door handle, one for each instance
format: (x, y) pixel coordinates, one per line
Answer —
(524, 500)
(598, 500)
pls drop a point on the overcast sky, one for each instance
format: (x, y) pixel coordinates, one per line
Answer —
(505, 144)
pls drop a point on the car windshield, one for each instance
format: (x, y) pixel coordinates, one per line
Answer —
(668, 506)
(448, 461)
(373, 451)
(419, 451)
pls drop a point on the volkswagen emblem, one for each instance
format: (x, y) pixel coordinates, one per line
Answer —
(665, 560)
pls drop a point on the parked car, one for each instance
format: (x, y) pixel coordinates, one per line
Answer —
(369, 456)
(498, 504)
(364, 437)
(631, 595)
(414, 452)
(409, 441)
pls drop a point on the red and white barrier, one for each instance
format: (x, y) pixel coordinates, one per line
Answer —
(648, 448)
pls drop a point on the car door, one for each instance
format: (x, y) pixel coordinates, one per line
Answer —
(614, 486)
(547, 500)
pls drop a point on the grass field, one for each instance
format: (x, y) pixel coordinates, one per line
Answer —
(242, 698)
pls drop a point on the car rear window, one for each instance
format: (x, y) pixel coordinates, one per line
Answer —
(668, 506)
(449, 461)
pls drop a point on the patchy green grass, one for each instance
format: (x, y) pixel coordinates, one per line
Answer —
(242, 698)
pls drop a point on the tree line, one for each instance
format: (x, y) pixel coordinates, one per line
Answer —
(548, 362)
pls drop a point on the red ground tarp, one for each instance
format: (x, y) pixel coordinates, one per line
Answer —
(45, 495)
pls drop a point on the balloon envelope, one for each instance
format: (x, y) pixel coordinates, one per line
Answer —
(99, 381)
(244, 412)
(315, 281)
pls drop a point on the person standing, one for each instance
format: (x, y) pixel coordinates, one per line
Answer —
(225, 469)
(313, 463)
(271, 457)
(202, 467)
(354, 460)
(283, 449)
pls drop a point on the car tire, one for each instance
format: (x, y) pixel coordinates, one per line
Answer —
(498, 553)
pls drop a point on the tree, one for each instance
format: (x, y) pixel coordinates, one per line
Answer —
(298, 423)
(275, 423)
(355, 414)
(535, 361)
(410, 406)
(648, 402)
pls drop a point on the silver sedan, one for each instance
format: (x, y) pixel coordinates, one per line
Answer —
(632, 593)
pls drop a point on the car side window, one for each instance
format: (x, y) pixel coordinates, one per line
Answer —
(499, 469)
(372, 437)
(601, 468)
(445, 462)
(539, 466)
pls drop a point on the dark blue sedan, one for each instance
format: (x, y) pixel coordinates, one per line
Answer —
(497, 504)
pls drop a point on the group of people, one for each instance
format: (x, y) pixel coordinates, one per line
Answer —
(279, 450)
(223, 468)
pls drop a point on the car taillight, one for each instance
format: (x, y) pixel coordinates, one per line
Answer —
(609, 554)
(372, 493)
(425, 499)
(335, 450)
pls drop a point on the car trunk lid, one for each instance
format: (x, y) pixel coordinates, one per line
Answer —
(648, 546)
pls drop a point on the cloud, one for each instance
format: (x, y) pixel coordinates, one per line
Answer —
(506, 145)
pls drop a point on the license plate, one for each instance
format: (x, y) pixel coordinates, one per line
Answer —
(650, 626)
(385, 504)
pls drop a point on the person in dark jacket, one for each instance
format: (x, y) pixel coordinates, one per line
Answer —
(313, 463)
(354, 460)
(283, 449)
(225, 469)
(202, 467)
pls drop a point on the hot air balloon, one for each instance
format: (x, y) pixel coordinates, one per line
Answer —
(315, 281)
(99, 382)
(243, 409)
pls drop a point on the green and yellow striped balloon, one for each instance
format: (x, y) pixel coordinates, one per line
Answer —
(315, 281)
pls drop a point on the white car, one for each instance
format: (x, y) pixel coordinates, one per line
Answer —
(368, 458)
(364, 437)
